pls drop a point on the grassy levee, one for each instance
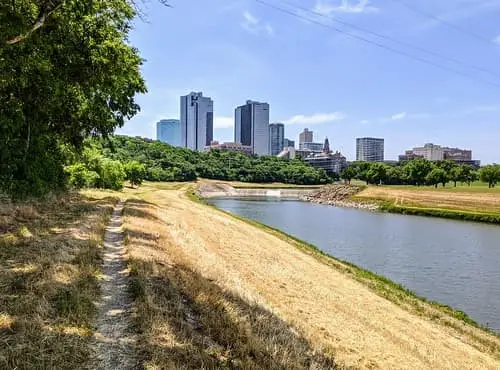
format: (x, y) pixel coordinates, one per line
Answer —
(50, 255)
(186, 320)
(493, 218)
(478, 203)
(384, 287)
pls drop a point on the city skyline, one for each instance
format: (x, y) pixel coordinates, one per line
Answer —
(339, 87)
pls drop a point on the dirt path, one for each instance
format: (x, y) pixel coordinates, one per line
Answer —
(336, 312)
(114, 347)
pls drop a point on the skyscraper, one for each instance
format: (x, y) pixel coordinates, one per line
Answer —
(169, 131)
(305, 137)
(197, 121)
(276, 138)
(370, 149)
(289, 143)
(252, 126)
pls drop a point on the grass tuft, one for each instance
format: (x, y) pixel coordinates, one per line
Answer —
(49, 262)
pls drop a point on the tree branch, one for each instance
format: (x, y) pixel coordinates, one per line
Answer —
(40, 22)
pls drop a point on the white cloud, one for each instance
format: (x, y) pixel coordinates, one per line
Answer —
(315, 119)
(364, 122)
(254, 25)
(345, 6)
(496, 40)
(398, 116)
(223, 122)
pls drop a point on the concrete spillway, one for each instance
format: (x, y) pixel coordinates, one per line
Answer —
(217, 190)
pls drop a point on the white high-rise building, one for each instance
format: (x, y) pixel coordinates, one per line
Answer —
(197, 121)
(252, 126)
(430, 152)
(369, 149)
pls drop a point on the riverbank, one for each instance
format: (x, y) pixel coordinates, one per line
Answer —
(448, 320)
(211, 290)
(470, 204)
(339, 195)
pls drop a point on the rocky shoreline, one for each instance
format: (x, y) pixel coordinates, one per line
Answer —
(338, 195)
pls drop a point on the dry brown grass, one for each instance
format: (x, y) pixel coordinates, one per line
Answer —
(197, 270)
(189, 320)
(49, 266)
(459, 199)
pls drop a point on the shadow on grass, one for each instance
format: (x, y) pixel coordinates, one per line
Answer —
(187, 321)
(210, 327)
(48, 281)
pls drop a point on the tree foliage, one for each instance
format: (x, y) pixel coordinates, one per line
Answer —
(74, 76)
(163, 162)
(418, 172)
(490, 174)
(135, 172)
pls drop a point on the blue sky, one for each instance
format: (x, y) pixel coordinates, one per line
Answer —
(314, 77)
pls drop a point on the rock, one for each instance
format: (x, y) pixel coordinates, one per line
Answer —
(339, 195)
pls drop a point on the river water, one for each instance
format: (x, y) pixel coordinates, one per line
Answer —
(453, 262)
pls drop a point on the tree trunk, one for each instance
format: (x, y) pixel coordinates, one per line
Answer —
(436, 185)
(455, 184)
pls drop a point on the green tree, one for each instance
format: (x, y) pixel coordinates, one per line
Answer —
(348, 174)
(67, 71)
(457, 174)
(81, 177)
(134, 173)
(112, 175)
(436, 176)
(418, 170)
(376, 173)
(396, 176)
(468, 175)
(362, 169)
(490, 174)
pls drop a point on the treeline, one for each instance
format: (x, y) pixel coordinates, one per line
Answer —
(107, 163)
(421, 172)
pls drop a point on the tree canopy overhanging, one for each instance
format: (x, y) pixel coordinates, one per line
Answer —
(74, 76)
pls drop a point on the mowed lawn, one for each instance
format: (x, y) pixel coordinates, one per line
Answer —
(475, 198)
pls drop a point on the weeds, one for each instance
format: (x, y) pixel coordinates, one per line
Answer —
(49, 265)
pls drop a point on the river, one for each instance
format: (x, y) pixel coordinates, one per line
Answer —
(454, 262)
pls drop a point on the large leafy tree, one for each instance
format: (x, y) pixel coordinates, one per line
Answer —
(490, 174)
(66, 72)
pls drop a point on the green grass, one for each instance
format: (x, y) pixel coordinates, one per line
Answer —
(493, 218)
(476, 187)
(381, 285)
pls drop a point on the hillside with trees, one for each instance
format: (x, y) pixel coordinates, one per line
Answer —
(104, 163)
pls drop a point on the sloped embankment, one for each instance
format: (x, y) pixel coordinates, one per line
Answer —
(340, 196)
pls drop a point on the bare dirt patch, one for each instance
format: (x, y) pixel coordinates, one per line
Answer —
(114, 341)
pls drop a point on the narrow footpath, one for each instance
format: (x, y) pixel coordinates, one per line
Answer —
(114, 344)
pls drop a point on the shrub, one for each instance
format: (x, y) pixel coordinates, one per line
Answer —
(135, 172)
(81, 177)
(112, 175)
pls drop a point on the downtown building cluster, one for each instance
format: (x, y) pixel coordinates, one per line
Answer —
(255, 135)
